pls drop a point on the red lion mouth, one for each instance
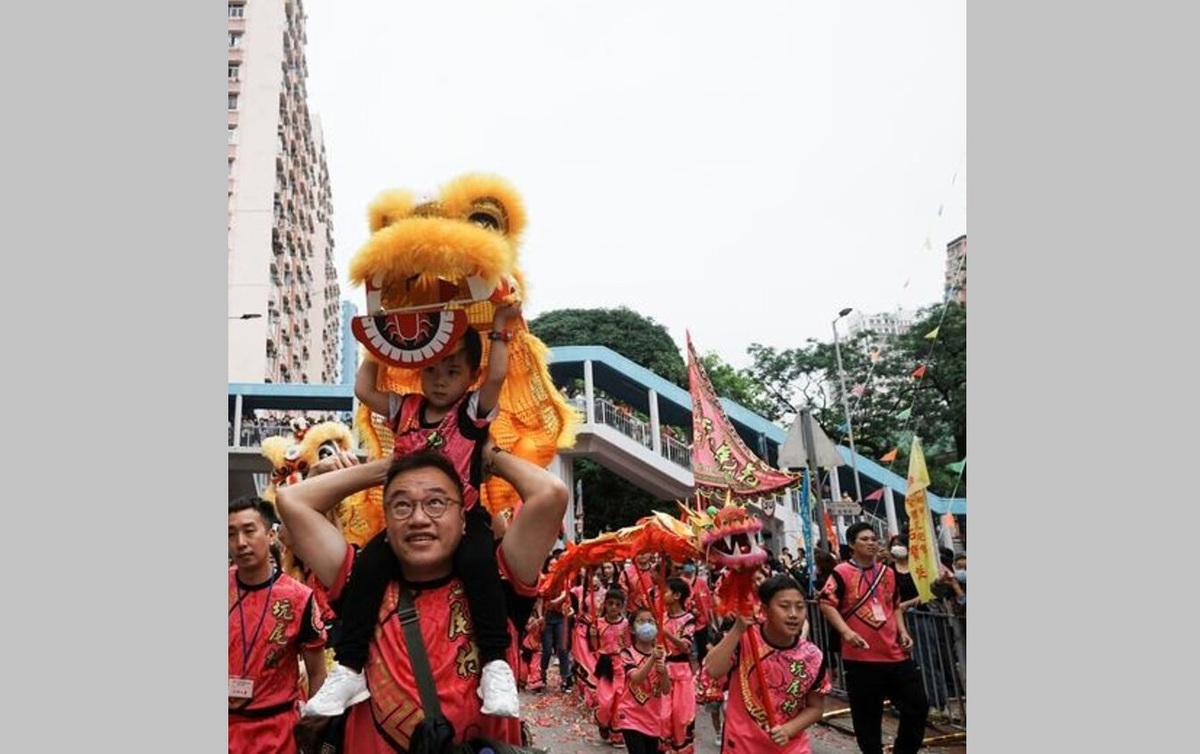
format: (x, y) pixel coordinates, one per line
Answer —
(733, 540)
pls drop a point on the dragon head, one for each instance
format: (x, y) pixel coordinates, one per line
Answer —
(729, 539)
(732, 539)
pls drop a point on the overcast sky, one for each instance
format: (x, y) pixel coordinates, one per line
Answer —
(742, 171)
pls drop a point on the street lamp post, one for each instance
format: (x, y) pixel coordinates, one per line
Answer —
(837, 349)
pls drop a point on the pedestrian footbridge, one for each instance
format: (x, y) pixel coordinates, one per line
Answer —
(633, 423)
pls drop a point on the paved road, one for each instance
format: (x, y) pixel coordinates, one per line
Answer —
(561, 723)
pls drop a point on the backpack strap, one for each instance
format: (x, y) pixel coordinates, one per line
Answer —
(409, 621)
(870, 590)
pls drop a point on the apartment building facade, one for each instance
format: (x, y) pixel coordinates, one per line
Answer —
(956, 271)
(281, 265)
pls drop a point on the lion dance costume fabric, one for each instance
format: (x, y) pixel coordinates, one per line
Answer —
(292, 456)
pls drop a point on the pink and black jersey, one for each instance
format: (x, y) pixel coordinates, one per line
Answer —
(874, 619)
(459, 436)
(790, 672)
(679, 709)
(384, 723)
(269, 624)
(613, 637)
(641, 706)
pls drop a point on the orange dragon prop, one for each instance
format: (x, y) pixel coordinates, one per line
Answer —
(432, 267)
(728, 540)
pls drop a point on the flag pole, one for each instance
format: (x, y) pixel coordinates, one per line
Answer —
(889, 506)
(810, 449)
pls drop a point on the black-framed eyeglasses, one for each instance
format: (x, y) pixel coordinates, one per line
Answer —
(434, 507)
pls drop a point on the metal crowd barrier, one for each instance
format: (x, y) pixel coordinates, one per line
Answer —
(939, 649)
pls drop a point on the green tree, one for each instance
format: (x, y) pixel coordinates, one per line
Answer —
(736, 385)
(936, 402)
(937, 399)
(611, 501)
(637, 338)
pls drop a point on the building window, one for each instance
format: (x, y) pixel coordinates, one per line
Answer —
(235, 41)
(231, 167)
(233, 134)
(235, 73)
(233, 102)
(237, 10)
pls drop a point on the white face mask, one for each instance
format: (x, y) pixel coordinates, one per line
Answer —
(646, 631)
(899, 551)
(961, 575)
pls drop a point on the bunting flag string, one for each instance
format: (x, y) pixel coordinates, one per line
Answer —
(921, 371)
(958, 467)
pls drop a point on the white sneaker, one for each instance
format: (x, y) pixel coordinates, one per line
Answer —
(342, 688)
(498, 690)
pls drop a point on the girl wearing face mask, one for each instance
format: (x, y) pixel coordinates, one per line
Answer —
(640, 710)
(909, 596)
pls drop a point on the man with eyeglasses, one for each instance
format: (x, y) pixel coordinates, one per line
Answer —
(425, 522)
(861, 602)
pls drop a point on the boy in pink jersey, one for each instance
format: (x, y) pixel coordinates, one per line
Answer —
(647, 685)
(451, 419)
(776, 716)
(679, 709)
(608, 638)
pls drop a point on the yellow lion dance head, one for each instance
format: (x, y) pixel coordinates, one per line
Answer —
(432, 267)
